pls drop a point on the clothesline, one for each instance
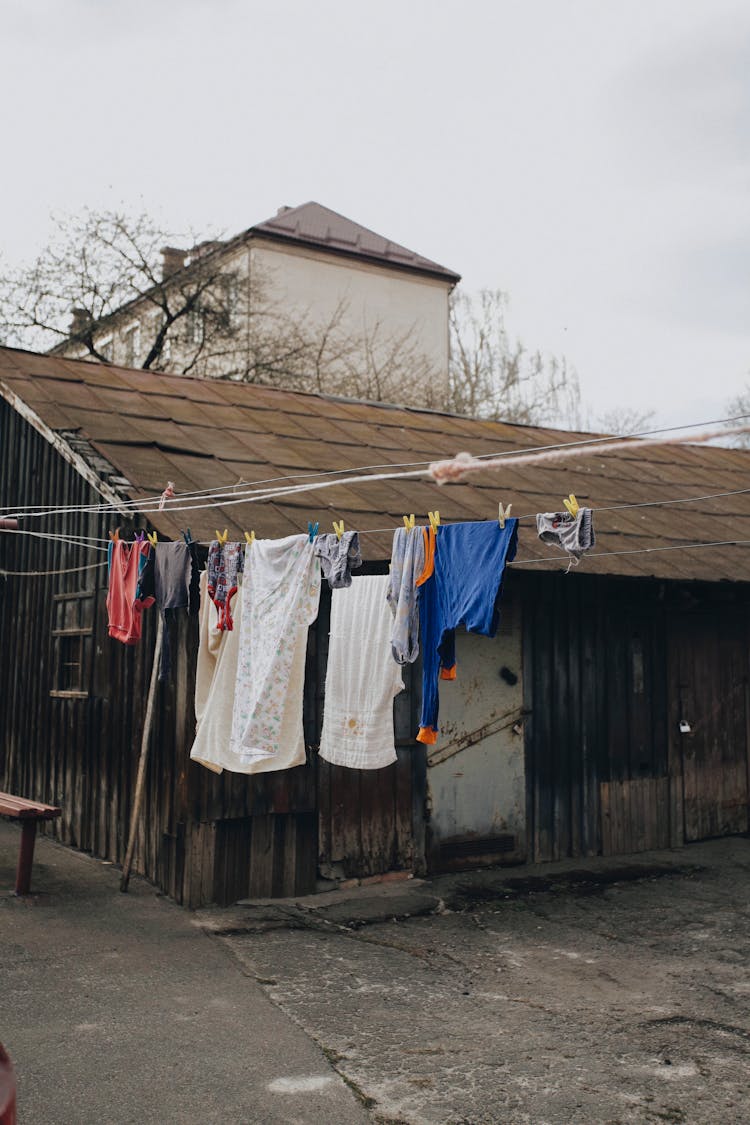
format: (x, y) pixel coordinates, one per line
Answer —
(524, 456)
(456, 468)
(83, 540)
(516, 562)
(49, 573)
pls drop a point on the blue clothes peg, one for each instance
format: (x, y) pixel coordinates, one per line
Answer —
(312, 529)
(187, 536)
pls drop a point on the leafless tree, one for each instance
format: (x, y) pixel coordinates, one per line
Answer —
(99, 263)
(492, 375)
(622, 420)
(200, 312)
(739, 408)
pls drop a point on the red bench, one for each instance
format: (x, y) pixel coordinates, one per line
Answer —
(29, 813)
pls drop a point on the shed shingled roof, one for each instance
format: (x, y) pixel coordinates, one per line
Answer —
(204, 433)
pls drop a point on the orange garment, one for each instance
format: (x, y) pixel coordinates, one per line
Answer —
(429, 555)
(126, 561)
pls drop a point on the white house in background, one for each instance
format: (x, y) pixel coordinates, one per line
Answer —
(312, 267)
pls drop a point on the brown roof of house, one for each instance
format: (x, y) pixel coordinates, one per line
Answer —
(311, 224)
(153, 428)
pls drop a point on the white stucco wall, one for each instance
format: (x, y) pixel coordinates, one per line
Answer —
(307, 282)
(476, 772)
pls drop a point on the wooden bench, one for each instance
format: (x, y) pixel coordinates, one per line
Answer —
(29, 813)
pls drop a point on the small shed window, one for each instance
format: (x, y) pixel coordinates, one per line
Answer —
(73, 638)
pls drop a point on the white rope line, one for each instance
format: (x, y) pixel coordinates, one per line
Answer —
(460, 466)
(74, 541)
(85, 540)
(441, 471)
(44, 573)
(635, 551)
(216, 492)
(516, 562)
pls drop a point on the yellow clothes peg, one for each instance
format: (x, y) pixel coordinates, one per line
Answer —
(222, 538)
(434, 518)
(503, 513)
(338, 528)
(153, 537)
(409, 522)
(249, 538)
(572, 505)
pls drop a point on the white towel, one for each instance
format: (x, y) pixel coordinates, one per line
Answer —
(362, 678)
(215, 676)
(280, 596)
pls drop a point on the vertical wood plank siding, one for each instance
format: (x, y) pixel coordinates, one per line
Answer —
(202, 837)
(610, 667)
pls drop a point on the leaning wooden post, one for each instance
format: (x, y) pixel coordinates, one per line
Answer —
(140, 782)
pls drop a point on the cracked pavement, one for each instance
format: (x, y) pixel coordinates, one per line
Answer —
(620, 998)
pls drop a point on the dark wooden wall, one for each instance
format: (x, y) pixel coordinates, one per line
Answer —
(610, 667)
(72, 704)
(608, 663)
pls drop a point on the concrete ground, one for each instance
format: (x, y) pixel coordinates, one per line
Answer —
(583, 993)
(117, 1008)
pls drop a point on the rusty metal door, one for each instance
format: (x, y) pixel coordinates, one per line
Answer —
(708, 686)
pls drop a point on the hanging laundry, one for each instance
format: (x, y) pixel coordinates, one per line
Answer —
(280, 596)
(407, 564)
(125, 601)
(461, 586)
(572, 534)
(224, 564)
(338, 557)
(176, 586)
(215, 679)
(362, 679)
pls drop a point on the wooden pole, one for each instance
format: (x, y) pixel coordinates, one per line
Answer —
(140, 782)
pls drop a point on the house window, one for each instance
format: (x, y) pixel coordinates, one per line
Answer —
(73, 639)
(106, 348)
(132, 340)
(194, 328)
(155, 327)
(231, 301)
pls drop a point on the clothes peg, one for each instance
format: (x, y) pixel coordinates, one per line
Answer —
(572, 505)
(139, 536)
(187, 536)
(153, 537)
(409, 522)
(249, 538)
(503, 513)
(338, 528)
(115, 535)
(167, 494)
(434, 518)
(312, 529)
(222, 538)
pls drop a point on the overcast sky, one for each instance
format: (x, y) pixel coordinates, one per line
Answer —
(590, 157)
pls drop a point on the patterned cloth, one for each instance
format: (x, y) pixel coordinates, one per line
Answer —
(362, 680)
(338, 557)
(224, 564)
(574, 535)
(280, 597)
(407, 563)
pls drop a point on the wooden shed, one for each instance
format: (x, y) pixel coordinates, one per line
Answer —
(610, 715)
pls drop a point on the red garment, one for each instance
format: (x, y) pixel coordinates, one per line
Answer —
(126, 561)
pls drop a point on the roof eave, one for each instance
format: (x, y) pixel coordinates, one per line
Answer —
(437, 274)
